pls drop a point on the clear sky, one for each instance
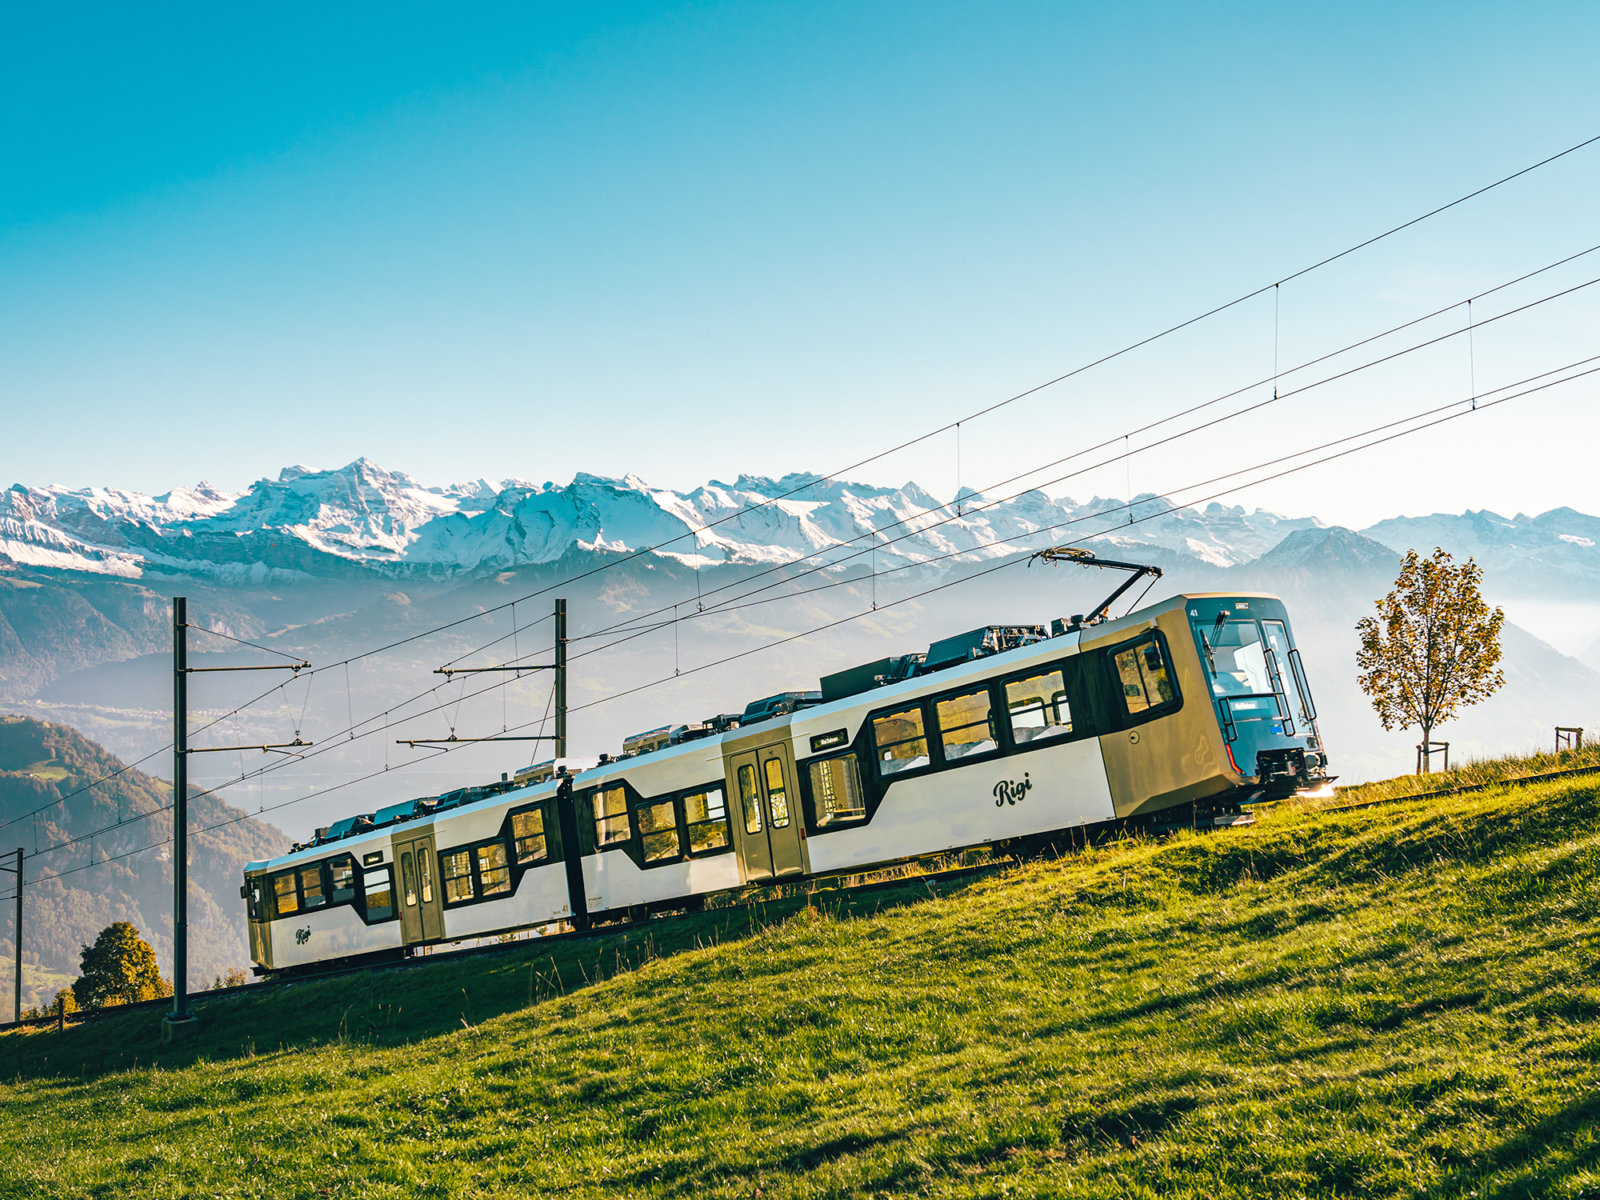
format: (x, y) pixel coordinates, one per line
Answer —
(692, 240)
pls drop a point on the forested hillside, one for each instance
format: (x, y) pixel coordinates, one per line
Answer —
(80, 879)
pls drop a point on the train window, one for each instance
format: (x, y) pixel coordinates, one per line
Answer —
(658, 831)
(611, 816)
(901, 743)
(408, 879)
(286, 895)
(494, 870)
(311, 893)
(425, 874)
(342, 873)
(966, 726)
(379, 891)
(836, 790)
(777, 793)
(707, 818)
(749, 799)
(527, 835)
(1235, 657)
(1038, 707)
(455, 868)
(1146, 682)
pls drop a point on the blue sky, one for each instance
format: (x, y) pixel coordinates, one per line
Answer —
(687, 241)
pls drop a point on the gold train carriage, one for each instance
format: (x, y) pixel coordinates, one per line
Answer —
(1178, 713)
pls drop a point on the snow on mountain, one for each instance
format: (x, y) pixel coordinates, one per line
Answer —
(1559, 543)
(364, 518)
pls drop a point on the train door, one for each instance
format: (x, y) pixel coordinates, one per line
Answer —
(767, 813)
(421, 906)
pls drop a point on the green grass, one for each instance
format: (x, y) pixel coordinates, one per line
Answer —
(1394, 1001)
(47, 769)
(1471, 774)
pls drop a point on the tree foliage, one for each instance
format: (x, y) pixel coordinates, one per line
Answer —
(1433, 648)
(120, 968)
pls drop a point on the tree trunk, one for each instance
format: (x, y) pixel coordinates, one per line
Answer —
(1427, 743)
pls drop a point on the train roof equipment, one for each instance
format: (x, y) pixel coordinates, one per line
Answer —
(877, 673)
(650, 739)
(778, 705)
(1086, 558)
(978, 643)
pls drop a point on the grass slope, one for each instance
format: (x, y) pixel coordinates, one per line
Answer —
(1386, 1001)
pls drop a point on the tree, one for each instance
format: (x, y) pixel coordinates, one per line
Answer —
(1434, 646)
(120, 968)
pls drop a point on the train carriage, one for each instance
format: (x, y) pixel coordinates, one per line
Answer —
(1179, 713)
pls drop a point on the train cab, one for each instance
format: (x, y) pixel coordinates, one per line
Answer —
(1259, 691)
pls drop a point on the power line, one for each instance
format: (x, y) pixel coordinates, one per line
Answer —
(1109, 529)
(991, 408)
(989, 503)
(766, 501)
(1009, 563)
(992, 502)
(125, 767)
(727, 606)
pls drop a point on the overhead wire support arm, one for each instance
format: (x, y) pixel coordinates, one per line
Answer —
(445, 741)
(294, 745)
(1086, 558)
(487, 670)
(558, 696)
(295, 667)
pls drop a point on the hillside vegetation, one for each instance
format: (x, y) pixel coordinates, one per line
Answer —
(59, 789)
(1396, 1000)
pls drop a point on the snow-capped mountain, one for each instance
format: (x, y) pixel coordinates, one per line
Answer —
(1560, 543)
(362, 516)
(364, 521)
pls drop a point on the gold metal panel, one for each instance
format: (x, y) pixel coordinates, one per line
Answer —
(1174, 758)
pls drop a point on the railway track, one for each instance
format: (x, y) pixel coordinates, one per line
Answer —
(624, 931)
(621, 932)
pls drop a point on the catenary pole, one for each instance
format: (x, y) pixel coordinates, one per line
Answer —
(180, 809)
(16, 1002)
(561, 679)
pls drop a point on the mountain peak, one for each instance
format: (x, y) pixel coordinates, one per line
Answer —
(1331, 546)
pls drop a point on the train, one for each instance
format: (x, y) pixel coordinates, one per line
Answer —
(1181, 713)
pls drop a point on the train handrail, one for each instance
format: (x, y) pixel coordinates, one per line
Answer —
(1278, 693)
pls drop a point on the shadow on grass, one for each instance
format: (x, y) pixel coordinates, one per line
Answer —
(392, 1006)
(1536, 1161)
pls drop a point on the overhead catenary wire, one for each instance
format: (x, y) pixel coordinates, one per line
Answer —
(1008, 563)
(136, 763)
(765, 501)
(993, 407)
(1012, 562)
(1275, 286)
(727, 606)
(1022, 537)
(989, 502)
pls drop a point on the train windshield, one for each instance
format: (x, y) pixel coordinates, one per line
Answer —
(1235, 657)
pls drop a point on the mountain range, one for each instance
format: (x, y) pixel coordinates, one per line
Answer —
(315, 524)
(329, 564)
